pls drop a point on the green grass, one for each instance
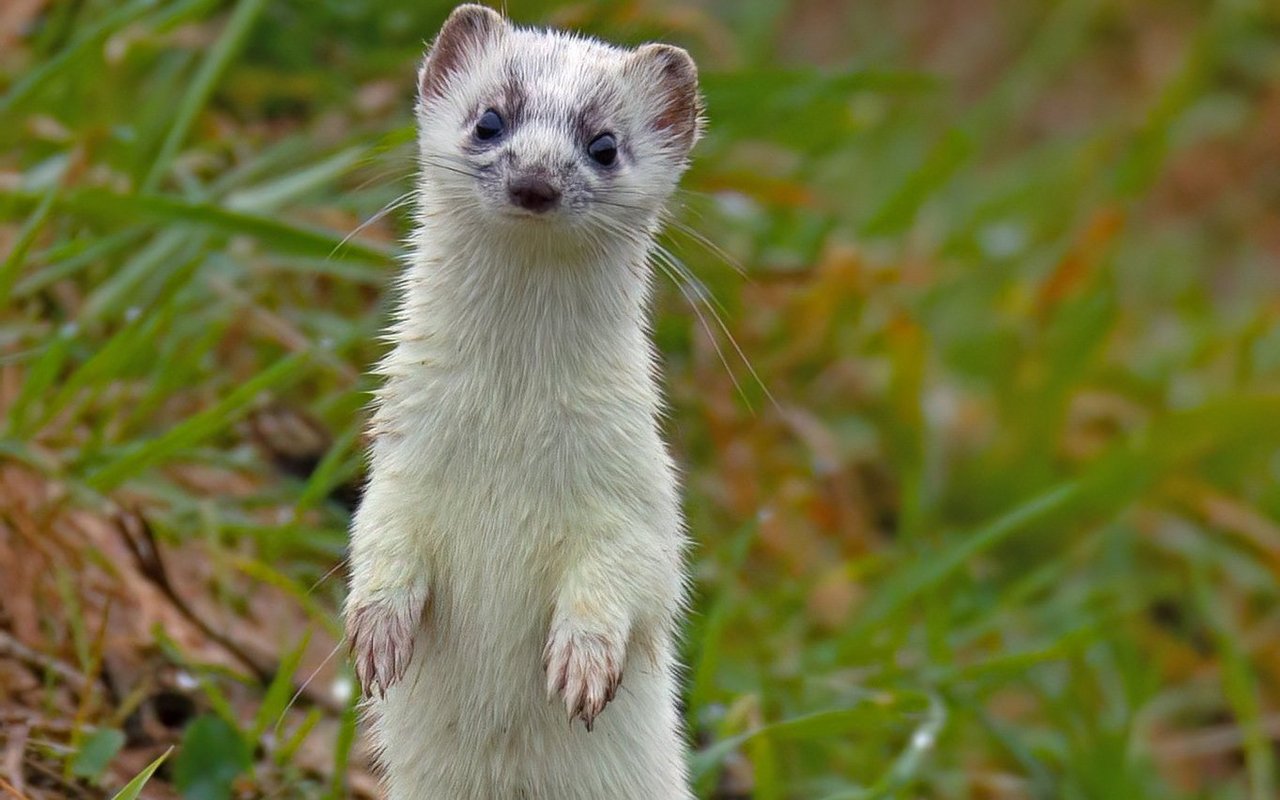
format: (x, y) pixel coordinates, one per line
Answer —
(1008, 527)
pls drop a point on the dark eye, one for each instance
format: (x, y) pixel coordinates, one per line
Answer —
(603, 149)
(489, 126)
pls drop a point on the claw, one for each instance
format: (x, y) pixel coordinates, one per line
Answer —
(380, 635)
(585, 670)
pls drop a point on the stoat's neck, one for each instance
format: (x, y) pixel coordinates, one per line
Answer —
(472, 300)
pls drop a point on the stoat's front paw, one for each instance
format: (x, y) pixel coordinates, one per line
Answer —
(380, 634)
(585, 669)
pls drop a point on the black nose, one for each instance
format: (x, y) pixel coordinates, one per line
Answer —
(534, 194)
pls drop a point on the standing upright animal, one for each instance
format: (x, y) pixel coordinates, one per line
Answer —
(518, 555)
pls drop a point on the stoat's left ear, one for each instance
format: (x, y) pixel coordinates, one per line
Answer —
(467, 31)
(670, 77)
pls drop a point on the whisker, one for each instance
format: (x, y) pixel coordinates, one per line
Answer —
(680, 267)
(395, 204)
(325, 577)
(704, 291)
(623, 206)
(303, 688)
(672, 221)
(459, 168)
(715, 342)
(388, 175)
(710, 246)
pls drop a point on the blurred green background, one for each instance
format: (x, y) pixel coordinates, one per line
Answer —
(975, 375)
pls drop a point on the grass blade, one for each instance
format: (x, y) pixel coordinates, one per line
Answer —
(85, 42)
(105, 205)
(133, 788)
(268, 197)
(201, 426)
(215, 63)
(17, 255)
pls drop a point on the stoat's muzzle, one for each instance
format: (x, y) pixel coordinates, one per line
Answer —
(533, 192)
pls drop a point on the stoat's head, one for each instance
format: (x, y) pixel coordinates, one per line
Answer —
(539, 132)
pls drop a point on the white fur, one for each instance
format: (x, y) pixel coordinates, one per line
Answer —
(519, 488)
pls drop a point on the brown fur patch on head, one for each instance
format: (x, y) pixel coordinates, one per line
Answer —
(513, 97)
(673, 76)
(590, 120)
(469, 26)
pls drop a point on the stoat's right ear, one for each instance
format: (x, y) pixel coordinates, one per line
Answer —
(469, 28)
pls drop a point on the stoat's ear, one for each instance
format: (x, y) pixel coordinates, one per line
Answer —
(669, 75)
(469, 28)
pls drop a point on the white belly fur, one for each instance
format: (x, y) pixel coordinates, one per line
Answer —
(516, 481)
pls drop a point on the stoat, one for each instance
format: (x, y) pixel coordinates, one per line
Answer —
(517, 568)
